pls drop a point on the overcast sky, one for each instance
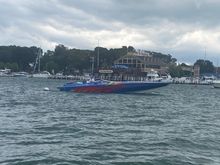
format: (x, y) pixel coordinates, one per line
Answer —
(182, 28)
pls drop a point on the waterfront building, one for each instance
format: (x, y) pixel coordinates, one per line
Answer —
(142, 62)
(136, 66)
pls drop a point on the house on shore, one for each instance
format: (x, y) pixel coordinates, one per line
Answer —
(142, 61)
(136, 65)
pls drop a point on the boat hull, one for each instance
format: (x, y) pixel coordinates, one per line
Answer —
(216, 84)
(40, 76)
(111, 87)
(43, 74)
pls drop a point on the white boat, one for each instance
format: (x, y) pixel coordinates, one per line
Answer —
(216, 84)
(20, 74)
(154, 76)
(44, 74)
(207, 80)
(5, 72)
(39, 74)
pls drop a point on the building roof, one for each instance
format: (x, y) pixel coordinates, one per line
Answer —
(144, 59)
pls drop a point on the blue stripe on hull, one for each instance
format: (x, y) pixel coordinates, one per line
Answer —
(139, 87)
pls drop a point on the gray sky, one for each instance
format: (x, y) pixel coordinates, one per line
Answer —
(182, 28)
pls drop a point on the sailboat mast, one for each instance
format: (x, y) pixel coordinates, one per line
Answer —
(92, 60)
(98, 56)
(39, 56)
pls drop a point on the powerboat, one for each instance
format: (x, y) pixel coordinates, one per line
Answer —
(103, 86)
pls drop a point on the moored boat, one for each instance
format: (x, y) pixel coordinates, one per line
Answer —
(103, 86)
(38, 73)
(216, 84)
(20, 74)
(44, 74)
(5, 72)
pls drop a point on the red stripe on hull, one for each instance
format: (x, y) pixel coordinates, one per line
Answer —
(99, 89)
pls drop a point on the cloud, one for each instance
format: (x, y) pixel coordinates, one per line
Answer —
(181, 28)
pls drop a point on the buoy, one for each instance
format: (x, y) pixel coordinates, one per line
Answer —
(46, 89)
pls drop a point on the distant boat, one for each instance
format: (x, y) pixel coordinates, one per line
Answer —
(103, 86)
(216, 84)
(207, 80)
(43, 74)
(5, 72)
(20, 74)
(154, 76)
(39, 74)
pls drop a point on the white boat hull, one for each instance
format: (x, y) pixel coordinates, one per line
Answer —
(216, 84)
(44, 74)
(40, 76)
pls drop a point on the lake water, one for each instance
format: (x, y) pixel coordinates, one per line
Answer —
(173, 125)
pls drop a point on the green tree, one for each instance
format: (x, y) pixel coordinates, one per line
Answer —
(13, 66)
(206, 66)
(2, 65)
(51, 66)
(175, 71)
(20, 56)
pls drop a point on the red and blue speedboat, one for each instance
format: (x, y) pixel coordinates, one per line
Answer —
(103, 86)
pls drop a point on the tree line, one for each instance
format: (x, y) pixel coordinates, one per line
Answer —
(72, 61)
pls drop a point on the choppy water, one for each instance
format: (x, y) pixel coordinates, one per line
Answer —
(174, 125)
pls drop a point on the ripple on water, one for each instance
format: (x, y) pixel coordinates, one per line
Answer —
(178, 124)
